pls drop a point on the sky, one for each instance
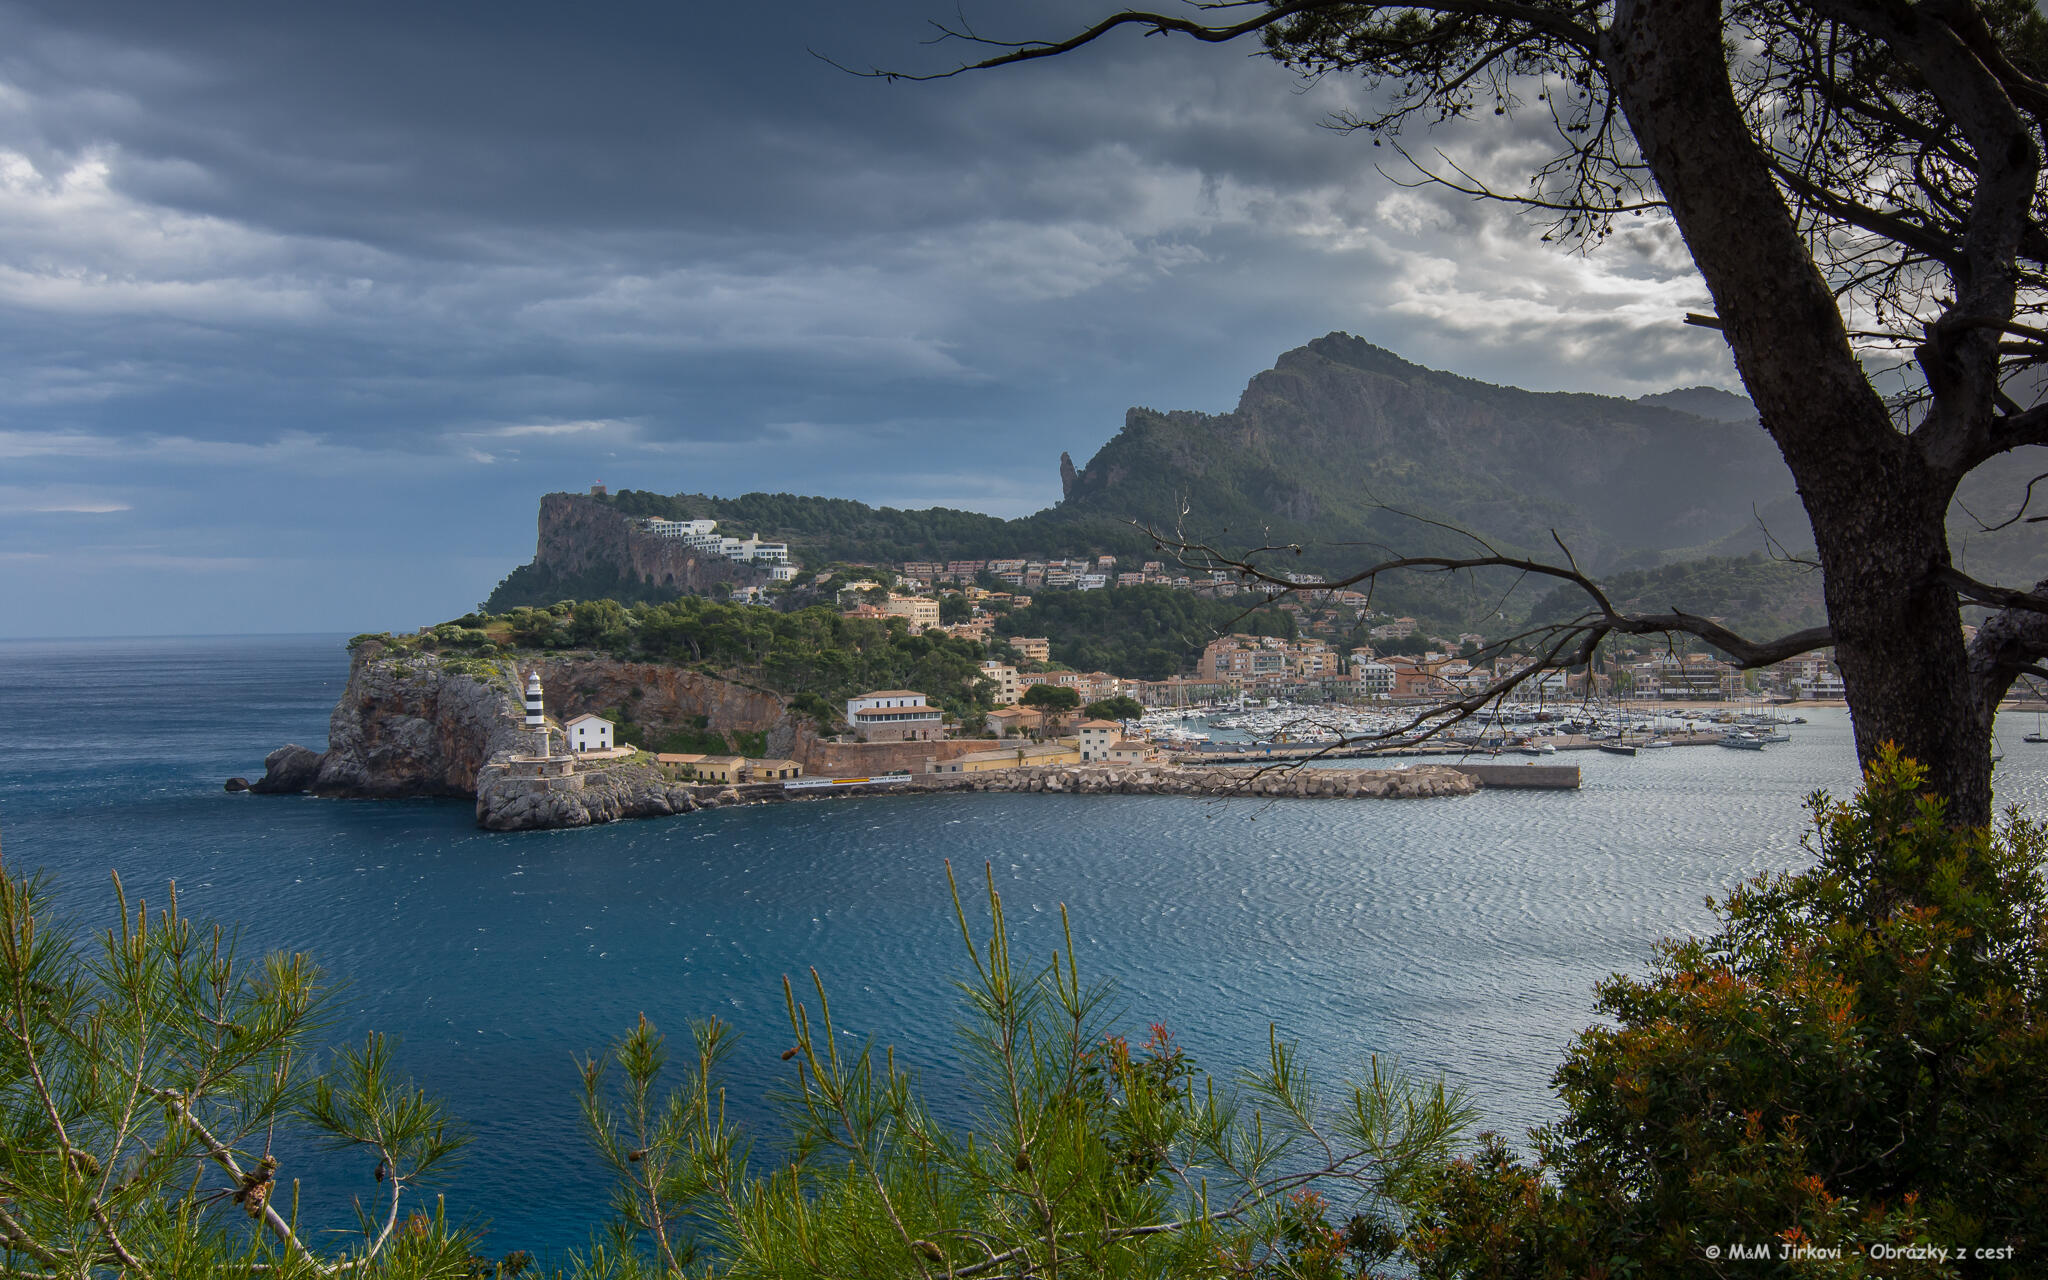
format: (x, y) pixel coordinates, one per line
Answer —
(302, 307)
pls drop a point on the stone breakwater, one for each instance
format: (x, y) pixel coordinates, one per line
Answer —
(506, 801)
(1266, 783)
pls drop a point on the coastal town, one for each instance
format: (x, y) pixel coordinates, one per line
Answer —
(797, 675)
(1343, 651)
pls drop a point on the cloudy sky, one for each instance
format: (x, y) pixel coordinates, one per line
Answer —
(303, 306)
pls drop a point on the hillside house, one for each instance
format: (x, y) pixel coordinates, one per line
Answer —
(1005, 722)
(894, 715)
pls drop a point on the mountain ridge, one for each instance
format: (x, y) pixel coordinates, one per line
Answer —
(1342, 453)
(1339, 417)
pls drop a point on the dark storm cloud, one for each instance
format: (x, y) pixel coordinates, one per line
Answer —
(359, 276)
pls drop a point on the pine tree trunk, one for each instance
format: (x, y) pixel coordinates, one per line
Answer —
(1877, 507)
(1898, 636)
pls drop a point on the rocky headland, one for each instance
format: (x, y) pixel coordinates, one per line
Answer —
(417, 724)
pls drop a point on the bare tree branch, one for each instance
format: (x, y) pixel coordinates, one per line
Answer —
(1550, 21)
(2026, 500)
(2003, 597)
(2010, 644)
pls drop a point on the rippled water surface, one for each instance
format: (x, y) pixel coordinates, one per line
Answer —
(1462, 935)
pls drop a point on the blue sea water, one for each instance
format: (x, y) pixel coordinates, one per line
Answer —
(1462, 936)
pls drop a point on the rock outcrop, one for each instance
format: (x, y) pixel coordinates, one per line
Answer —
(408, 726)
(288, 771)
(506, 801)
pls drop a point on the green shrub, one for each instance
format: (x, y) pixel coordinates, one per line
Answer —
(143, 1078)
(1858, 1056)
(478, 668)
(1089, 1156)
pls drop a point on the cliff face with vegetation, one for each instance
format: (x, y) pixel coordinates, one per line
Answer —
(590, 549)
(1339, 426)
(663, 699)
(408, 726)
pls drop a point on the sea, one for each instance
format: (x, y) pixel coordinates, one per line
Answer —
(1461, 937)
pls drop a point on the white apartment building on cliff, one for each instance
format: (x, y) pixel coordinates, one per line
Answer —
(704, 536)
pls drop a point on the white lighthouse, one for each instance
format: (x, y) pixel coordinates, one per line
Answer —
(536, 716)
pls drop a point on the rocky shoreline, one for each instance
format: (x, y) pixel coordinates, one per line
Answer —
(408, 725)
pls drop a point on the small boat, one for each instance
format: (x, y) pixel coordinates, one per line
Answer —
(1656, 744)
(1617, 748)
(1742, 742)
(2035, 737)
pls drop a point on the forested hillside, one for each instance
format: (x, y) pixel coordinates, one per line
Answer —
(1754, 594)
(1148, 632)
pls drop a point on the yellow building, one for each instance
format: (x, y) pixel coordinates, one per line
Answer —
(702, 768)
(719, 768)
(1008, 720)
(922, 611)
(1005, 677)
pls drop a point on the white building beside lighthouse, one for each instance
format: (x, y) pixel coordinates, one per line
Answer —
(588, 733)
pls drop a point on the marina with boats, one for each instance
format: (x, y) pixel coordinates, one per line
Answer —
(1282, 730)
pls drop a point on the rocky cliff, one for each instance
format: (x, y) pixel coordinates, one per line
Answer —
(664, 699)
(1339, 426)
(406, 725)
(587, 549)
